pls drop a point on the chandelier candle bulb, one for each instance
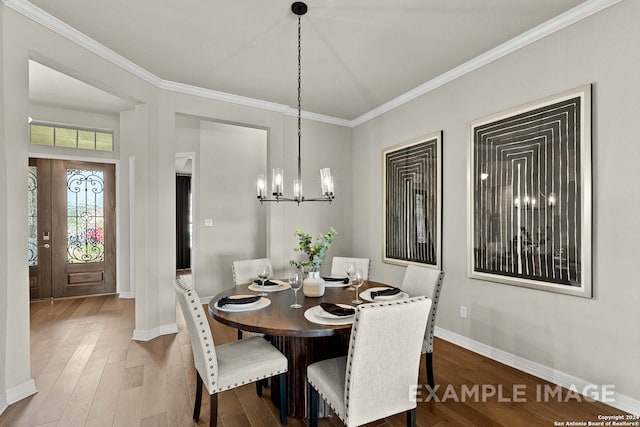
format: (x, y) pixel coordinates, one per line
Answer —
(261, 185)
(297, 189)
(277, 184)
(326, 181)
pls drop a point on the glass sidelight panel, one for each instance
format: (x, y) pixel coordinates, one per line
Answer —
(85, 216)
(32, 212)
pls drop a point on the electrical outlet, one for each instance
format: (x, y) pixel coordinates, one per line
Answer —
(463, 312)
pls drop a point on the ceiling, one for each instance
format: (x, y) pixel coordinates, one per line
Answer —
(356, 54)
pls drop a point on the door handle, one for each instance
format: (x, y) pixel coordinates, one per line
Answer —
(46, 246)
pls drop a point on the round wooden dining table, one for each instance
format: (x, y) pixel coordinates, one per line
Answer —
(300, 340)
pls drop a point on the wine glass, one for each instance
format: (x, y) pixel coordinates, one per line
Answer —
(263, 274)
(350, 269)
(295, 280)
(358, 280)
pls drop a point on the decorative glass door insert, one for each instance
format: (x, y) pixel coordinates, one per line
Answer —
(32, 216)
(85, 216)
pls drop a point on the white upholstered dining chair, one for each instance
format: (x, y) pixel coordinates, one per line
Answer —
(246, 271)
(229, 365)
(339, 265)
(374, 380)
(428, 282)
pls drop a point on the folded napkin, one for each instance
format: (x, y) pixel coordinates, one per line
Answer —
(229, 300)
(336, 279)
(266, 283)
(385, 293)
(337, 310)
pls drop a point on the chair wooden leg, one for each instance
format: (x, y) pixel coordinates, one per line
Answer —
(196, 407)
(411, 417)
(213, 417)
(260, 384)
(429, 363)
(313, 410)
(284, 403)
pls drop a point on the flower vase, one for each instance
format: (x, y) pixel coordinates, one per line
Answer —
(313, 285)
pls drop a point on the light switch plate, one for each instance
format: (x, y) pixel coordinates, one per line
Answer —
(208, 222)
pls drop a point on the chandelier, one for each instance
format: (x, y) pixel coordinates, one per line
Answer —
(277, 180)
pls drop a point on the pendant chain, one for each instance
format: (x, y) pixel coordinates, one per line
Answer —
(299, 96)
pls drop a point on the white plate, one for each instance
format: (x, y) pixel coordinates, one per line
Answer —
(366, 295)
(261, 303)
(281, 287)
(312, 315)
(327, 315)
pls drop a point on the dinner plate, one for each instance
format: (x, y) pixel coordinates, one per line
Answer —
(313, 315)
(366, 295)
(323, 313)
(335, 284)
(281, 287)
(261, 303)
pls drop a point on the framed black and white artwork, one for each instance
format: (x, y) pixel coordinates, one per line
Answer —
(412, 199)
(529, 187)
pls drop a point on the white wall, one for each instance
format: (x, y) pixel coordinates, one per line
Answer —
(13, 231)
(593, 339)
(4, 179)
(229, 159)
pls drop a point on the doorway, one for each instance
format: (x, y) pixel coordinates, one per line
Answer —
(72, 245)
(184, 222)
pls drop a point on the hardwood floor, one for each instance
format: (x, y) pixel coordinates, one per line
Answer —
(89, 373)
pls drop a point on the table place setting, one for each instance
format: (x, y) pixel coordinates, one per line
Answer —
(238, 303)
(335, 281)
(383, 294)
(271, 285)
(330, 314)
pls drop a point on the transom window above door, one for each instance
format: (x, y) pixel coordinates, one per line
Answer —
(61, 136)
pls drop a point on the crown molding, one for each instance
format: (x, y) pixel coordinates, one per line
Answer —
(319, 117)
(221, 96)
(551, 26)
(557, 23)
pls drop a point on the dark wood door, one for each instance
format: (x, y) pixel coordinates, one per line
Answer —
(76, 229)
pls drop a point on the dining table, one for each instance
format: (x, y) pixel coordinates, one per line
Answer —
(302, 341)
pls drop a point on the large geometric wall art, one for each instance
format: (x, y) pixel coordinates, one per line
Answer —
(530, 195)
(412, 197)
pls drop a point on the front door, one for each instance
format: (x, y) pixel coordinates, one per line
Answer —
(72, 228)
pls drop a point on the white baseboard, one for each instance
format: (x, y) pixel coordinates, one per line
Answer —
(149, 334)
(126, 295)
(619, 401)
(3, 403)
(205, 300)
(21, 391)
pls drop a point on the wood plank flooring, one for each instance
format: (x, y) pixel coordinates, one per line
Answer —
(89, 372)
